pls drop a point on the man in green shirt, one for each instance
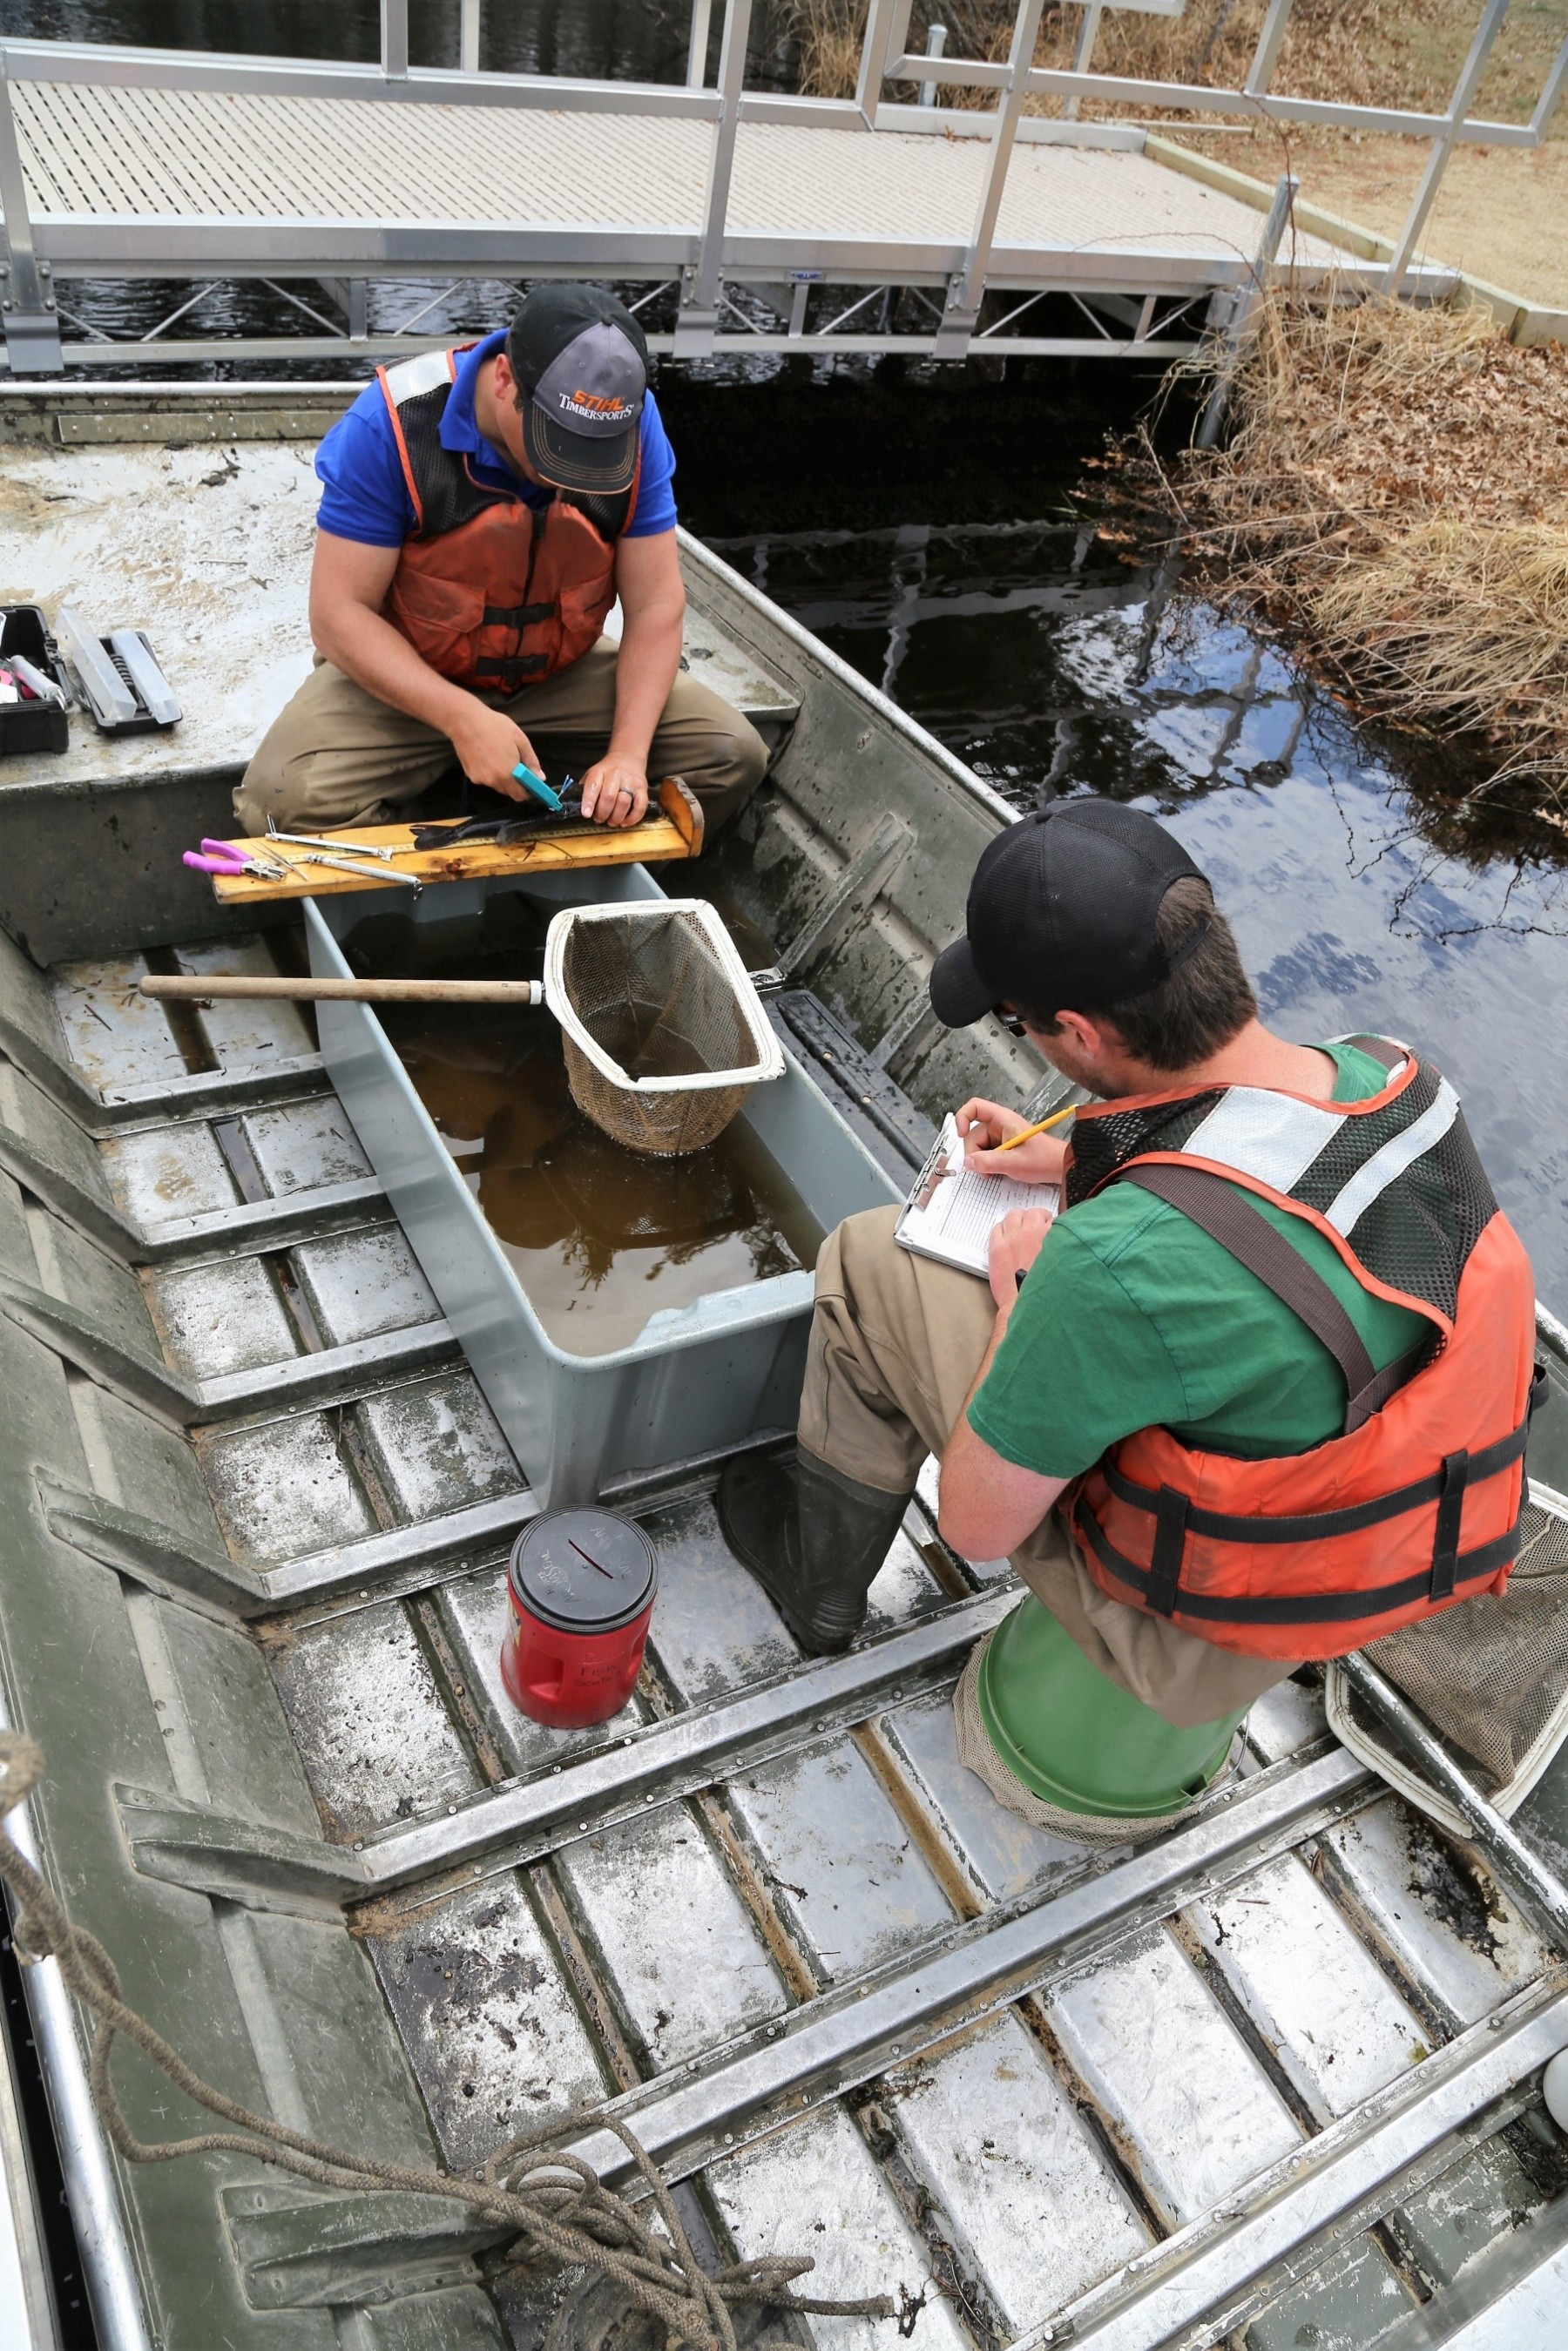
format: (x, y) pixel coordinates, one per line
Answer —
(1091, 932)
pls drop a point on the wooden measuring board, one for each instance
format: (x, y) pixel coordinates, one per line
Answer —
(675, 832)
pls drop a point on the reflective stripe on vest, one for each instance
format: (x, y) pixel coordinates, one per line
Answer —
(425, 372)
(1312, 1554)
(1275, 1139)
(492, 593)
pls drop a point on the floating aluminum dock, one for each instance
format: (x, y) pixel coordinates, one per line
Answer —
(763, 220)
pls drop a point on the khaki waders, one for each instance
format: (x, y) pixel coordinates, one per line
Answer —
(336, 755)
(895, 1342)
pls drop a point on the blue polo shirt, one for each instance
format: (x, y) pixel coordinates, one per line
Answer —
(364, 496)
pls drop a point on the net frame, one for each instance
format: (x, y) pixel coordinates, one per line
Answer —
(1544, 1530)
(661, 1117)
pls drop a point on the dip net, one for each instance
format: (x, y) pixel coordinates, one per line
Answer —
(1491, 1676)
(663, 1033)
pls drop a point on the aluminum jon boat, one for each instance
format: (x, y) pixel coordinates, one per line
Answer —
(1275, 2079)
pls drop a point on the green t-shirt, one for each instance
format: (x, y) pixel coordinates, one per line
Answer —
(1133, 1317)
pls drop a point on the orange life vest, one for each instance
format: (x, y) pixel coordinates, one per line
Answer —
(494, 593)
(1415, 1505)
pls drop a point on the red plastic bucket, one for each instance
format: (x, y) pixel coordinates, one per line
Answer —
(582, 1585)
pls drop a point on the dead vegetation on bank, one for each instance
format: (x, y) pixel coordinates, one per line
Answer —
(1393, 499)
(1359, 49)
(1392, 495)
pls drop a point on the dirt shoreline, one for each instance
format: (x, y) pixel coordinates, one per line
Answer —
(1502, 213)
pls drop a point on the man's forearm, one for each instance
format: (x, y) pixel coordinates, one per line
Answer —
(380, 659)
(988, 1505)
(961, 1463)
(961, 1425)
(645, 670)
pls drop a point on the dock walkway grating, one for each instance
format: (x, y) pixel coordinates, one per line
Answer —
(190, 177)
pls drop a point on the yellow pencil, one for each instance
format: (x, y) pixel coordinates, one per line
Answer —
(1024, 1132)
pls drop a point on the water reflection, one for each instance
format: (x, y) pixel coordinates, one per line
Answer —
(598, 40)
(1362, 899)
(600, 1238)
(644, 40)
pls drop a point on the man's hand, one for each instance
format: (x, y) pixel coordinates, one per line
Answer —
(489, 745)
(982, 1125)
(1016, 1243)
(615, 790)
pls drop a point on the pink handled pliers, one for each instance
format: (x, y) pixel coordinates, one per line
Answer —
(223, 857)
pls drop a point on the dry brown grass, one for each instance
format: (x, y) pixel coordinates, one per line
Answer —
(1394, 498)
(1335, 49)
(829, 33)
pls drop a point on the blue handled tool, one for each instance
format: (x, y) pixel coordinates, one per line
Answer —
(537, 786)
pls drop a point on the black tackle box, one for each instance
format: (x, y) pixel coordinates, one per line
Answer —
(31, 725)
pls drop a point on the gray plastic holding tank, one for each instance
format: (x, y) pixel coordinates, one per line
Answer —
(700, 1378)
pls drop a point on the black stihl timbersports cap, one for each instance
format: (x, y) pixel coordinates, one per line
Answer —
(581, 365)
(1062, 914)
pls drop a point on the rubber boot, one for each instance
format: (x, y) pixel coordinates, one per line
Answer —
(813, 1538)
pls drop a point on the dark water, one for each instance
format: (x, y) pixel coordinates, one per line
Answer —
(600, 1237)
(1052, 667)
(641, 40)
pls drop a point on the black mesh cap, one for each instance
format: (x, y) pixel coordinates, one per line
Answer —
(1061, 912)
(581, 365)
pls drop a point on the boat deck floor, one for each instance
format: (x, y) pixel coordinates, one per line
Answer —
(1276, 2070)
(207, 544)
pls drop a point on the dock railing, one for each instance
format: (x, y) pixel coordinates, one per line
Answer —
(205, 247)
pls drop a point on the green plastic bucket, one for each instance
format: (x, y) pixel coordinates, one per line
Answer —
(1077, 1740)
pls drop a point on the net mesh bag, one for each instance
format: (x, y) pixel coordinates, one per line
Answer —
(663, 1034)
(1491, 1676)
(978, 1755)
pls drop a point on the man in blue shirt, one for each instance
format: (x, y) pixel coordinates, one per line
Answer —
(483, 509)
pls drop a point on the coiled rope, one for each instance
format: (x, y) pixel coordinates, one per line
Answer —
(557, 2204)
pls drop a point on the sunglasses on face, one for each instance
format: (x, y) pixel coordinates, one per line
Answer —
(1010, 1020)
